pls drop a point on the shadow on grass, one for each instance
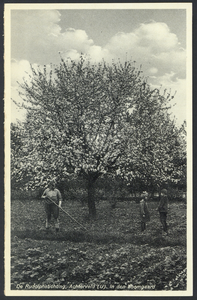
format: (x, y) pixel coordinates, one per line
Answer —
(155, 240)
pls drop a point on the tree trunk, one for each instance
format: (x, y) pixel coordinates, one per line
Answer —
(91, 199)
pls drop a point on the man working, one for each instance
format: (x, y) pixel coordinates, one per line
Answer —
(144, 212)
(163, 209)
(54, 194)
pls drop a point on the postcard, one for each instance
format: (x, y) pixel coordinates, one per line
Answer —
(98, 149)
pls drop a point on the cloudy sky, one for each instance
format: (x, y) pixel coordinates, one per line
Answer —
(154, 38)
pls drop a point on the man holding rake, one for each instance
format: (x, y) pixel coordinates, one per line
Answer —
(163, 210)
(53, 201)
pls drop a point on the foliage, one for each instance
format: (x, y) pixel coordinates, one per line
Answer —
(17, 146)
(111, 255)
(75, 122)
(91, 120)
(158, 148)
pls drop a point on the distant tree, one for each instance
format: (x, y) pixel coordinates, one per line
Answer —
(17, 150)
(79, 121)
(158, 155)
(178, 176)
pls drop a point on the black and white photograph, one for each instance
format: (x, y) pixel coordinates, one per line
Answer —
(98, 149)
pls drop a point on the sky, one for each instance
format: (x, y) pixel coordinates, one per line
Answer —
(154, 38)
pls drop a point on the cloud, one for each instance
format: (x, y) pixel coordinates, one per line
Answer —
(156, 36)
(153, 70)
(121, 43)
(19, 70)
(175, 60)
(174, 86)
(16, 112)
(38, 38)
(153, 38)
(71, 54)
(97, 53)
(153, 46)
(75, 39)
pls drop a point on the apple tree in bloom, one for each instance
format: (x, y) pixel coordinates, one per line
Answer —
(158, 156)
(87, 120)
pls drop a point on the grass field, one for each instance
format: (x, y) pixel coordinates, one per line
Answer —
(111, 255)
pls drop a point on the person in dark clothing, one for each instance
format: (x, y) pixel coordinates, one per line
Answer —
(163, 209)
(144, 212)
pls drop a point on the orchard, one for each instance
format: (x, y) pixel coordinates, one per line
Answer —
(92, 121)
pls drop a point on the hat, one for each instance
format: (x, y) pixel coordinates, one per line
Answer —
(145, 193)
(52, 182)
(164, 191)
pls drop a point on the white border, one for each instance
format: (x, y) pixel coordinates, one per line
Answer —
(188, 7)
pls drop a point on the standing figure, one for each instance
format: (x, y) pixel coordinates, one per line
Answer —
(50, 208)
(163, 209)
(144, 212)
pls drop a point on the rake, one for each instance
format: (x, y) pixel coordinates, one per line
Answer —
(66, 213)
